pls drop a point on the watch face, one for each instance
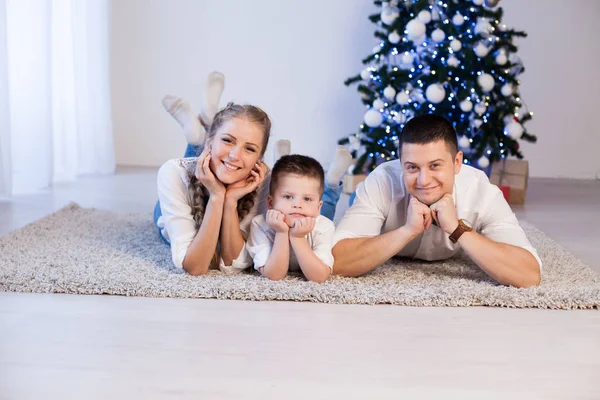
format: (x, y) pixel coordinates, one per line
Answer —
(467, 223)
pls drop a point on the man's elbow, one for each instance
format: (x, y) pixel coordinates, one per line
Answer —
(530, 279)
(534, 279)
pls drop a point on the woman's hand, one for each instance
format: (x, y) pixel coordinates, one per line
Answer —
(214, 186)
(239, 189)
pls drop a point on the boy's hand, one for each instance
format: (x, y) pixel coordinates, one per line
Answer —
(276, 220)
(302, 227)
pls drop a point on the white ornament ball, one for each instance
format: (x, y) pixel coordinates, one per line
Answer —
(501, 58)
(365, 74)
(477, 123)
(438, 35)
(389, 93)
(486, 81)
(507, 90)
(389, 15)
(514, 130)
(435, 93)
(394, 37)
(402, 98)
(407, 58)
(483, 27)
(378, 104)
(464, 143)
(458, 20)
(452, 61)
(466, 105)
(483, 162)
(415, 29)
(419, 40)
(455, 45)
(478, 2)
(400, 118)
(480, 108)
(424, 16)
(373, 118)
(481, 50)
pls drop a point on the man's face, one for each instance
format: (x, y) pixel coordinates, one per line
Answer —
(429, 170)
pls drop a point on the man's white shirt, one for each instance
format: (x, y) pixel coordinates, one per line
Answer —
(381, 205)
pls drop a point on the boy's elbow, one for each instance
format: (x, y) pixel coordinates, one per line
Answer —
(271, 275)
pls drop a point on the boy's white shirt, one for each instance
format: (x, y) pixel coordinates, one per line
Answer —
(262, 236)
(381, 205)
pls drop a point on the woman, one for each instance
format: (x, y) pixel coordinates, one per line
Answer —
(206, 202)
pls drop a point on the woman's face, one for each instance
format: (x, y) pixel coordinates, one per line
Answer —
(236, 148)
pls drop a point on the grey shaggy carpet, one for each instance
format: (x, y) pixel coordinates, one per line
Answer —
(89, 251)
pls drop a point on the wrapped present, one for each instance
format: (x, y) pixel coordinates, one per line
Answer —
(352, 181)
(513, 175)
(505, 192)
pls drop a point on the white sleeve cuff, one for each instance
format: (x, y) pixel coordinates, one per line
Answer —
(242, 262)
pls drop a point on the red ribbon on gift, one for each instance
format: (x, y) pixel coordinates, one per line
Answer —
(505, 191)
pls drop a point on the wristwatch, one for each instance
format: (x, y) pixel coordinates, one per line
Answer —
(463, 226)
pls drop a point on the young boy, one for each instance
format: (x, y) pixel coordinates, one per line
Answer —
(293, 235)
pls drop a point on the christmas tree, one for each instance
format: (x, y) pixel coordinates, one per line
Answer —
(453, 58)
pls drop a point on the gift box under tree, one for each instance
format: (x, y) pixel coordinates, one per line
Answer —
(511, 177)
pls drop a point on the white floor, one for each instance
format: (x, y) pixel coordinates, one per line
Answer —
(99, 347)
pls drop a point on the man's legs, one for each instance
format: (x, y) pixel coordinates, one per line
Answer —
(331, 195)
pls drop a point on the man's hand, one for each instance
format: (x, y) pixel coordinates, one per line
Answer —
(419, 216)
(276, 220)
(443, 212)
(302, 227)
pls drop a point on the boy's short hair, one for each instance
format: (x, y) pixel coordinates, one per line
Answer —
(298, 165)
(426, 129)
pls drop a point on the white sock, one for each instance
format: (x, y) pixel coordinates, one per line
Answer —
(338, 166)
(182, 112)
(215, 84)
(282, 148)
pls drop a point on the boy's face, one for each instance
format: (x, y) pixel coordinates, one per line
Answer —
(296, 197)
(429, 170)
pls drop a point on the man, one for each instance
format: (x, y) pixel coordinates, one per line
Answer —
(428, 205)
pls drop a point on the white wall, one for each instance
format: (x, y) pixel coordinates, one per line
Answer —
(291, 58)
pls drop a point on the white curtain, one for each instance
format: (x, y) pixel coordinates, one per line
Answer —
(54, 92)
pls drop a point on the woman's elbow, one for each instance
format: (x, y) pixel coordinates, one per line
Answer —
(319, 279)
(195, 270)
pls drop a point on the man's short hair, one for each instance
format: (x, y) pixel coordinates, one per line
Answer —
(426, 129)
(297, 165)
